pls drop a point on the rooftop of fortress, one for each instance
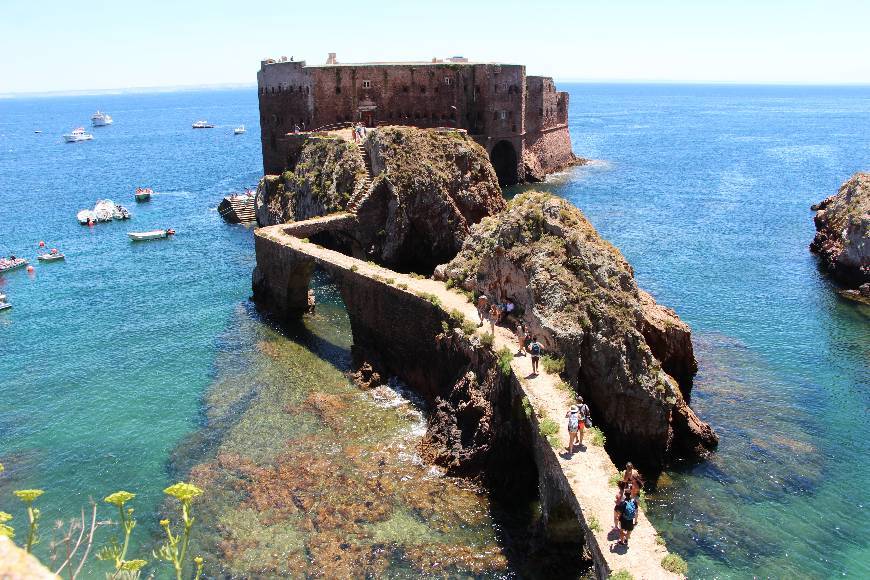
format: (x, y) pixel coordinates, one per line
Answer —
(331, 61)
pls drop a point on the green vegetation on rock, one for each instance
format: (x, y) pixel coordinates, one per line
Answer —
(674, 563)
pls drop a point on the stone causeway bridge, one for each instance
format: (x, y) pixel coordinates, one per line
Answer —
(380, 302)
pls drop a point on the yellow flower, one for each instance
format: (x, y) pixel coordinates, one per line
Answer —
(28, 495)
(183, 491)
(133, 565)
(4, 517)
(1, 468)
(198, 560)
(164, 523)
(119, 498)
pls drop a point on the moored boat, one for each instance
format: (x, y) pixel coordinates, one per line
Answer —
(86, 217)
(202, 125)
(53, 256)
(4, 306)
(121, 213)
(77, 135)
(143, 193)
(152, 235)
(100, 119)
(239, 130)
(11, 263)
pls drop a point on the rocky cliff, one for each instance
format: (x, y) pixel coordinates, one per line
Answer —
(629, 357)
(323, 173)
(428, 187)
(842, 238)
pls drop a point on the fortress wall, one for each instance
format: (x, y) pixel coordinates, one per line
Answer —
(546, 152)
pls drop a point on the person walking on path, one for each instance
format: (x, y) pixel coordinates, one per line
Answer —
(574, 422)
(521, 338)
(535, 350)
(628, 510)
(633, 480)
(482, 307)
(583, 412)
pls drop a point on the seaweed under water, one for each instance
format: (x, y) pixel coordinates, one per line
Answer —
(307, 475)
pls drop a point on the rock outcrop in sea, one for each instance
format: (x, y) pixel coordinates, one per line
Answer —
(842, 239)
(427, 188)
(629, 357)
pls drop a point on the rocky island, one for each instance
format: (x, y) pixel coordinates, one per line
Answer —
(842, 239)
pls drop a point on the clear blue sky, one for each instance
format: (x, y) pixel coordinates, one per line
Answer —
(59, 45)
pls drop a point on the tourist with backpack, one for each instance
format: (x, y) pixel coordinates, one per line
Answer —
(535, 349)
(574, 422)
(628, 510)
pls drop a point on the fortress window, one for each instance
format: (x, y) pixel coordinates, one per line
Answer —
(447, 80)
(367, 84)
(404, 88)
(502, 115)
(337, 90)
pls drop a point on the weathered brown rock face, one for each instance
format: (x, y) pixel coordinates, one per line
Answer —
(429, 188)
(321, 176)
(843, 232)
(578, 293)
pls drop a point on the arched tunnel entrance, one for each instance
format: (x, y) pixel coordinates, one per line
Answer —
(504, 160)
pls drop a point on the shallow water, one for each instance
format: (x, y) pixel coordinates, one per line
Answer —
(116, 365)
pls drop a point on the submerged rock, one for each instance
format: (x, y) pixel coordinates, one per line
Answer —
(842, 239)
(630, 358)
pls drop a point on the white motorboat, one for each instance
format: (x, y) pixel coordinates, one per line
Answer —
(202, 125)
(104, 210)
(86, 217)
(52, 256)
(77, 135)
(121, 213)
(11, 263)
(239, 130)
(2, 298)
(100, 119)
(152, 235)
(4, 306)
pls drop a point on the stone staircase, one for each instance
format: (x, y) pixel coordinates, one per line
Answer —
(238, 209)
(365, 187)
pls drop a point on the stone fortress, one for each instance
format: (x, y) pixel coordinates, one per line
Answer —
(521, 121)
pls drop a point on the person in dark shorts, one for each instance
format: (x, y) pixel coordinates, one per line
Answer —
(628, 510)
(535, 349)
(482, 307)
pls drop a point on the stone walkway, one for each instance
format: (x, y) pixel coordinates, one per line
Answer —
(588, 472)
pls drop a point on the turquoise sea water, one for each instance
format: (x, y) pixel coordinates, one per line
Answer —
(110, 361)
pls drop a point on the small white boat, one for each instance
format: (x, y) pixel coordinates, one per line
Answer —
(77, 135)
(152, 235)
(202, 125)
(4, 306)
(121, 213)
(100, 119)
(9, 264)
(37, 131)
(86, 217)
(53, 256)
(239, 130)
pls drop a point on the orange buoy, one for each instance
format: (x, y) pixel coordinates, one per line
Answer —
(30, 269)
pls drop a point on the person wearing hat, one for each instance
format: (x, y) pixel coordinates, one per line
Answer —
(573, 416)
